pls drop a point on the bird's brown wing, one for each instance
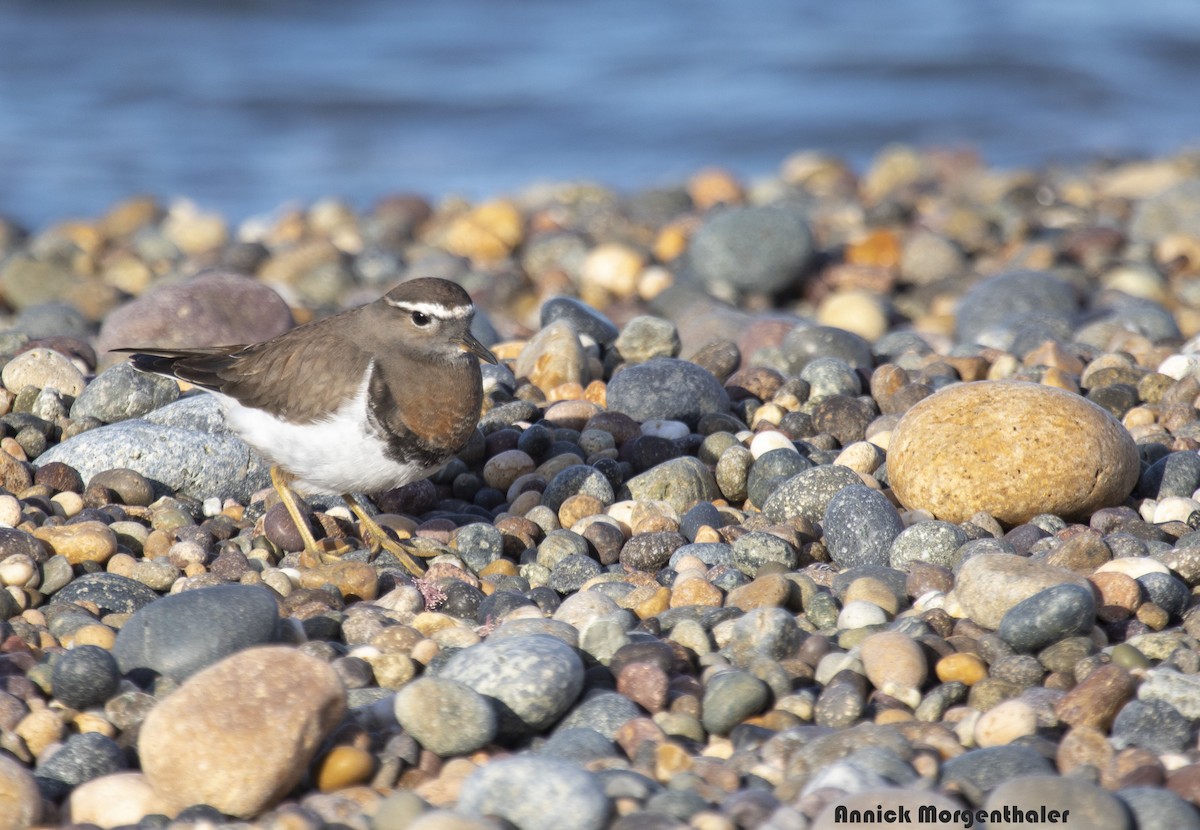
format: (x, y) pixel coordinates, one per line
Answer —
(298, 378)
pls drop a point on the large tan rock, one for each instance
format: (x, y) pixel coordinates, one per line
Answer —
(241, 733)
(1013, 449)
(20, 801)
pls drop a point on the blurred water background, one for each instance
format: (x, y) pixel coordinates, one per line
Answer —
(243, 106)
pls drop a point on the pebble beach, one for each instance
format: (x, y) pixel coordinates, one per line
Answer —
(836, 498)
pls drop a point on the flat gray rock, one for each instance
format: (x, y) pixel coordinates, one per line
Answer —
(183, 448)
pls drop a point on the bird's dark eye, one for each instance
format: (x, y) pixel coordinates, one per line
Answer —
(420, 318)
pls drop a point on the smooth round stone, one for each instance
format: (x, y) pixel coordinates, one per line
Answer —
(730, 697)
(1097, 699)
(772, 468)
(827, 376)
(859, 614)
(990, 584)
(130, 486)
(668, 389)
(1006, 300)
(895, 665)
(606, 712)
(750, 249)
(1159, 807)
(183, 633)
(573, 572)
(1175, 474)
(552, 357)
(980, 771)
(860, 527)
(1012, 448)
(211, 309)
(213, 742)
(19, 795)
(807, 494)
(578, 745)
(478, 544)
(770, 632)
(732, 472)
(769, 440)
(445, 716)
(935, 543)
(84, 676)
(575, 480)
(502, 469)
(645, 337)
(82, 757)
(43, 369)
(670, 430)
(650, 551)
(580, 316)
(753, 550)
(1174, 509)
(110, 592)
(1077, 801)
(536, 679)
(530, 792)
(1151, 724)
(80, 542)
(1165, 591)
(119, 799)
(961, 667)
(122, 392)
(682, 482)
(1048, 616)
(805, 344)
(1004, 723)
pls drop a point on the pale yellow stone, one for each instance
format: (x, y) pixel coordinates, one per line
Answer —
(1013, 449)
(860, 312)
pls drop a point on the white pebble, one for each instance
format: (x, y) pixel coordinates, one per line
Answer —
(771, 439)
(859, 613)
(1004, 723)
(211, 506)
(1179, 366)
(1175, 509)
(18, 570)
(666, 429)
(834, 662)
(1134, 566)
(10, 511)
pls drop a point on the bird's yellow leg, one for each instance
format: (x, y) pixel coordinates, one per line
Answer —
(314, 552)
(380, 539)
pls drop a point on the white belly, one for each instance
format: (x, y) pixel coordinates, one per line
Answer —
(339, 454)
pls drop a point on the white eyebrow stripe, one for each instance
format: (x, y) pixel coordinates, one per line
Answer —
(438, 310)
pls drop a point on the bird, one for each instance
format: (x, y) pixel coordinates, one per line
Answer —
(363, 401)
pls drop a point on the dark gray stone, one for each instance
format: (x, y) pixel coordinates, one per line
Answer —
(666, 388)
(575, 480)
(581, 316)
(1004, 301)
(112, 593)
(1048, 616)
(182, 633)
(605, 712)
(82, 757)
(1153, 807)
(937, 543)
(84, 676)
(730, 697)
(1151, 724)
(753, 550)
(803, 345)
(860, 526)
(755, 249)
(1175, 474)
(977, 772)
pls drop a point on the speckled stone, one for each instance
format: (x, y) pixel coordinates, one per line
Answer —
(536, 679)
(1069, 457)
(445, 716)
(1048, 616)
(530, 792)
(730, 697)
(988, 585)
(860, 527)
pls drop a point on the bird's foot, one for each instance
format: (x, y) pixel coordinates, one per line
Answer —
(377, 539)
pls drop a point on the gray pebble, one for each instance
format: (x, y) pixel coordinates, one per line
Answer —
(1151, 724)
(730, 697)
(667, 389)
(647, 337)
(582, 317)
(605, 712)
(937, 543)
(122, 392)
(530, 792)
(680, 481)
(534, 680)
(1154, 807)
(1008, 298)
(805, 344)
(808, 493)
(578, 479)
(750, 249)
(111, 592)
(753, 550)
(977, 772)
(1048, 616)
(860, 526)
(445, 716)
(182, 633)
(82, 757)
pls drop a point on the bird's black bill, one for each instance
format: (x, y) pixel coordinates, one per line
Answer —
(470, 344)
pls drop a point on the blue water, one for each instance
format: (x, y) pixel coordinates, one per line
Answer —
(244, 106)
